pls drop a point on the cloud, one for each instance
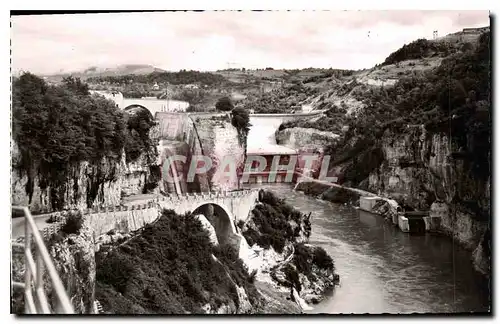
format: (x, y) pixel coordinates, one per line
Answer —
(208, 40)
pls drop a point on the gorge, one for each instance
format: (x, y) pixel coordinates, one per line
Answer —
(138, 244)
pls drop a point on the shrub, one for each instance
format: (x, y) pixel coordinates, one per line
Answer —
(74, 222)
(292, 276)
(224, 104)
(322, 259)
(273, 221)
(169, 269)
(241, 121)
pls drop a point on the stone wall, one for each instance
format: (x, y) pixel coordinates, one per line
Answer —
(220, 142)
(212, 136)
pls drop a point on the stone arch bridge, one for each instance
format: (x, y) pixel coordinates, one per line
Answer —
(222, 209)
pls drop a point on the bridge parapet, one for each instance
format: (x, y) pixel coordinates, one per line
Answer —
(131, 218)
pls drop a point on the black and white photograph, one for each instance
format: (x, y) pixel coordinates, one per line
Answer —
(251, 162)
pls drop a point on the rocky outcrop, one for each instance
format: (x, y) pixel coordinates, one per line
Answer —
(211, 135)
(220, 142)
(73, 256)
(209, 228)
(89, 185)
(74, 260)
(305, 139)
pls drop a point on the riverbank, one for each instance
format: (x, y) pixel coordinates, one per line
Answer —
(384, 270)
(174, 266)
(335, 193)
(290, 262)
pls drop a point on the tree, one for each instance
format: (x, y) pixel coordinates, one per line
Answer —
(241, 120)
(224, 104)
(76, 85)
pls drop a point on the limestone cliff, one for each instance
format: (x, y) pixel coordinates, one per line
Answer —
(220, 142)
(89, 185)
(427, 172)
(204, 135)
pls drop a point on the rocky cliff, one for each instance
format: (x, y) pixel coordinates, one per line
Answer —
(220, 142)
(426, 171)
(305, 139)
(89, 185)
(205, 135)
(72, 252)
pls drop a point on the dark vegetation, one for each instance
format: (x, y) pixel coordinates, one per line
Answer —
(138, 86)
(56, 127)
(421, 48)
(138, 141)
(333, 121)
(169, 269)
(224, 104)
(306, 256)
(283, 99)
(240, 119)
(272, 219)
(181, 77)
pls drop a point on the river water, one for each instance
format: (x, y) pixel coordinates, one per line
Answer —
(383, 270)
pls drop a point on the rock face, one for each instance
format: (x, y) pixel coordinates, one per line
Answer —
(103, 184)
(305, 139)
(220, 142)
(212, 136)
(209, 228)
(74, 259)
(424, 171)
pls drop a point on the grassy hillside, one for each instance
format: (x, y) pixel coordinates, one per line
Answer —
(444, 88)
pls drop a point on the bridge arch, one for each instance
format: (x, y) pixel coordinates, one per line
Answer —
(221, 219)
(134, 108)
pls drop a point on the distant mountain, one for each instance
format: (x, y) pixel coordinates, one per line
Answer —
(95, 71)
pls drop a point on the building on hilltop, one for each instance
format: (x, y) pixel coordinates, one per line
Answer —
(476, 30)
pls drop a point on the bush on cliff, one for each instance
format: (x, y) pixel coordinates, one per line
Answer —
(273, 220)
(241, 121)
(418, 49)
(169, 269)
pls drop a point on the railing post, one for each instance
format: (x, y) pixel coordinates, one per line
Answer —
(27, 269)
(34, 272)
(42, 300)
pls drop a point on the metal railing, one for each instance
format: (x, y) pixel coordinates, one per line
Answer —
(34, 269)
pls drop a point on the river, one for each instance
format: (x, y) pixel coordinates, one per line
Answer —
(383, 270)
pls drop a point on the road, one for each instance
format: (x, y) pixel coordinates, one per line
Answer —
(18, 225)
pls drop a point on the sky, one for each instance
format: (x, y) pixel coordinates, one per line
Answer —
(211, 40)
